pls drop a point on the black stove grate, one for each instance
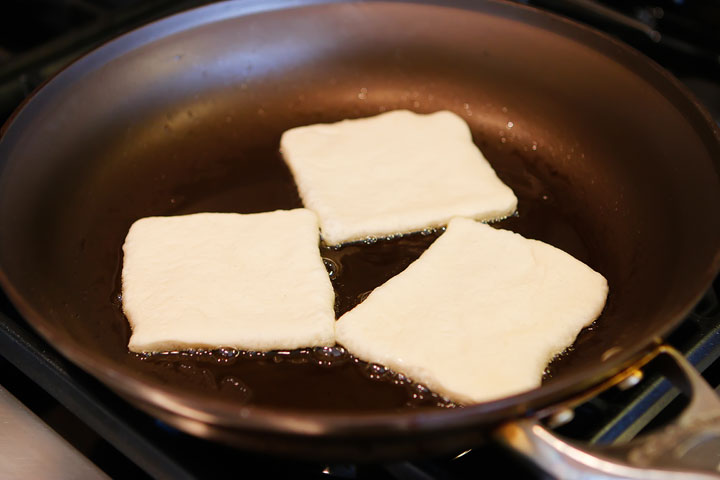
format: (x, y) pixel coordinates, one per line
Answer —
(39, 37)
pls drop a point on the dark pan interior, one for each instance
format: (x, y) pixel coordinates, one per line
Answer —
(610, 161)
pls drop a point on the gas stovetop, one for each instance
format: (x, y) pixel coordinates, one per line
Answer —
(121, 440)
(37, 38)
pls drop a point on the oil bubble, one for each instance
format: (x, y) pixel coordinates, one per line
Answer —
(332, 268)
(228, 352)
(361, 298)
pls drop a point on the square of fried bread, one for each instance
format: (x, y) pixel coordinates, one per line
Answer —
(479, 315)
(208, 280)
(392, 173)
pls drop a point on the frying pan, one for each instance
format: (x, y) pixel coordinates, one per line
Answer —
(611, 158)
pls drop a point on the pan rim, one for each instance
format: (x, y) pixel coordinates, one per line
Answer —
(309, 423)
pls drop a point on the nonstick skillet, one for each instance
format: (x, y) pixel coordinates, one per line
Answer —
(611, 158)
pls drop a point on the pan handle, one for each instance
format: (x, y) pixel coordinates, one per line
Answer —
(688, 448)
